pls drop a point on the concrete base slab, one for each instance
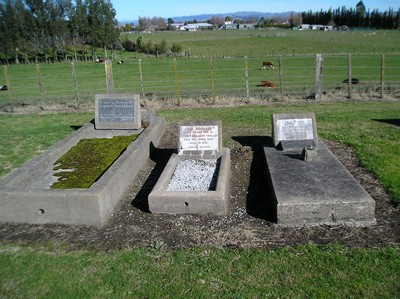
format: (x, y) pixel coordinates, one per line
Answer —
(316, 192)
(25, 194)
(193, 202)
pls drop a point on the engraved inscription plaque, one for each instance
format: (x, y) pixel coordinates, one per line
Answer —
(294, 130)
(199, 138)
(115, 111)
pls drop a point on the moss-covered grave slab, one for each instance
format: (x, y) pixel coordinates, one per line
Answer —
(26, 194)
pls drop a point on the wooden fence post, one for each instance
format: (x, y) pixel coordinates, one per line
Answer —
(212, 81)
(246, 77)
(141, 78)
(382, 75)
(177, 83)
(109, 76)
(349, 86)
(40, 83)
(318, 76)
(280, 76)
(77, 99)
(7, 81)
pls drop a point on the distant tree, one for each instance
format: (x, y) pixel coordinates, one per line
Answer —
(252, 20)
(12, 25)
(170, 21)
(261, 23)
(128, 44)
(217, 21)
(140, 44)
(295, 19)
(176, 48)
(160, 48)
(158, 23)
(228, 19)
(102, 24)
(144, 24)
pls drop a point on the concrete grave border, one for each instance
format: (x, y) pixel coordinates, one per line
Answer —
(318, 192)
(194, 202)
(309, 185)
(23, 200)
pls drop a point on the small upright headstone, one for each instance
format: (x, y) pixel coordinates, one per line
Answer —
(117, 112)
(200, 138)
(294, 131)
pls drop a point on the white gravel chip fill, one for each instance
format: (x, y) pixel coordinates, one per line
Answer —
(194, 175)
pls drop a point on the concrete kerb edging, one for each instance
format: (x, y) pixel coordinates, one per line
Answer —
(192, 202)
(91, 206)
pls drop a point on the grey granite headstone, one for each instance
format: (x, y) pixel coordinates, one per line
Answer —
(294, 130)
(117, 112)
(200, 138)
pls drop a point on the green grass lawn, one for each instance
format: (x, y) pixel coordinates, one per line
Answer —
(306, 271)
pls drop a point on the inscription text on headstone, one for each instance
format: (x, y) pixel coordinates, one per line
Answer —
(294, 129)
(116, 110)
(199, 138)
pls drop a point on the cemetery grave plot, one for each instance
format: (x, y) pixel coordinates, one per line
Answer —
(309, 185)
(244, 226)
(26, 196)
(197, 179)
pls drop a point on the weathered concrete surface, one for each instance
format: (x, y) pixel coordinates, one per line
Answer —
(192, 202)
(25, 197)
(316, 192)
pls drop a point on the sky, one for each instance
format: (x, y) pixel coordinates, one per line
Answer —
(128, 10)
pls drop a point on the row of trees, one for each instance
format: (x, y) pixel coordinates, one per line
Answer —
(149, 47)
(357, 17)
(43, 28)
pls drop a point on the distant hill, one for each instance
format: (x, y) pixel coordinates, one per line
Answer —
(243, 15)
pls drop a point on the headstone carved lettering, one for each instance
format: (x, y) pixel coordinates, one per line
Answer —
(117, 111)
(294, 130)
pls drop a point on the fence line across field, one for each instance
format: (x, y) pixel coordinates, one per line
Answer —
(292, 76)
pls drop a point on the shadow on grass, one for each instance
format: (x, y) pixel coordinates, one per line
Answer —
(161, 158)
(394, 122)
(260, 201)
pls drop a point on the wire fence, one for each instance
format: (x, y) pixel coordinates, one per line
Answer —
(292, 77)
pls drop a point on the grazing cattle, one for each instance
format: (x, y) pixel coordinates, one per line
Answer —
(3, 87)
(98, 60)
(353, 81)
(268, 65)
(120, 62)
(268, 84)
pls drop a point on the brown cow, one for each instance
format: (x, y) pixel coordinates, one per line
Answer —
(268, 84)
(268, 65)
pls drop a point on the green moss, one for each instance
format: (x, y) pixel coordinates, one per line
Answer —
(85, 163)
